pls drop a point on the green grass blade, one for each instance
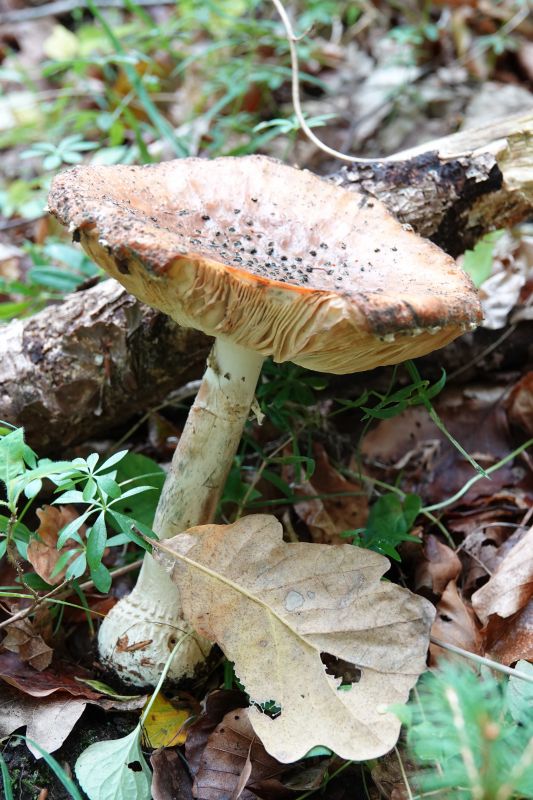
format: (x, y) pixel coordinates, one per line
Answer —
(164, 129)
(57, 769)
(6, 780)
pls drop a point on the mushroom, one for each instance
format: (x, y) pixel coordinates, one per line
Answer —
(272, 261)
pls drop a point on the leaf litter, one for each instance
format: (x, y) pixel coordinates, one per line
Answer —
(474, 564)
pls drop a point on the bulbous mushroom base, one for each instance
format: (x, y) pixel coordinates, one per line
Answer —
(139, 633)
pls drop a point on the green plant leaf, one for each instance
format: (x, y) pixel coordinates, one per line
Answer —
(96, 543)
(11, 455)
(520, 696)
(115, 770)
(101, 578)
(389, 523)
(58, 771)
(478, 262)
(6, 780)
(137, 468)
(67, 532)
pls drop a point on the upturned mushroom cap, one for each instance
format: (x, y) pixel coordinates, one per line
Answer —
(271, 257)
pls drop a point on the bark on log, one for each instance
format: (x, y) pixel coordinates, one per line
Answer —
(79, 369)
(453, 190)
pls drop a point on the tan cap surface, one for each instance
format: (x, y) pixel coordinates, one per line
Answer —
(271, 257)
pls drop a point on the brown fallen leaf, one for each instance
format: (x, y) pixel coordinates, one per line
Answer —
(217, 705)
(170, 779)
(509, 640)
(327, 517)
(519, 404)
(232, 759)
(511, 587)
(48, 720)
(60, 677)
(455, 624)
(430, 465)
(387, 775)
(23, 639)
(439, 566)
(43, 554)
(276, 608)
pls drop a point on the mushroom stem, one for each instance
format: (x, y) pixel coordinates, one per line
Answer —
(138, 634)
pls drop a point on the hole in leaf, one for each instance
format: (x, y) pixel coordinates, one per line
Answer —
(339, 668)
(135, 766)
(271, 708)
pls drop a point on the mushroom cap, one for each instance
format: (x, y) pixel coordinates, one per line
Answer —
(271, 257)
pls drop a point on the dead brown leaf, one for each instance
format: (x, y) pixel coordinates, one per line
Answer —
(23, 639)
(170, 780)
(519, 404)
(439, 566)
(276, 608)
(217, 705)
(48, 720)
(326, 517)
(455, 624)
(511, 586)
(387, 775)
(233, 758)
(60, 677)
(430, 465)
(509, 640)
(43, 554)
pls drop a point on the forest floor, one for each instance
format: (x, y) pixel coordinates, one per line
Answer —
(338, 460)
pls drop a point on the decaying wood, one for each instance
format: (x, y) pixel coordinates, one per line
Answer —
(78, 369)
(453, 190)
(75, 370)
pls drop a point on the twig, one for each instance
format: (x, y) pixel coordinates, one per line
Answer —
(19, 222)
(486, 662)
(115, 573)
(54, 593)
(295, 82)
(26, 611)
(190, 389)
(404, 774)
(66, 6)
(457, 496)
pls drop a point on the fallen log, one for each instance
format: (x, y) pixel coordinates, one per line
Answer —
(79, 369)
(455, 189)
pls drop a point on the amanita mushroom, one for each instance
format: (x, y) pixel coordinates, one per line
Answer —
(272, 261)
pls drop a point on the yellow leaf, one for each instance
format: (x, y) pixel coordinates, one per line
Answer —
(61, 45)
(165, 725)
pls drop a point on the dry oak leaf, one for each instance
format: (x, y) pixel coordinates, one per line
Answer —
(509, 640)
(23, 639)
(43, 554)
(511, 587)
(170, 779)
(327, 517)
(274, 608)
(233, 758)
(439, 566)
(455, 623)
(48, 720)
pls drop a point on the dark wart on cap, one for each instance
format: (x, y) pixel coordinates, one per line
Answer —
(270, 257)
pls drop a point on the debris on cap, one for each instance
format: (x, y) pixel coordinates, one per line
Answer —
(271, 257)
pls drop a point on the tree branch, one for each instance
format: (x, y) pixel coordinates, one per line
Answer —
(455, 189)
(80, 368)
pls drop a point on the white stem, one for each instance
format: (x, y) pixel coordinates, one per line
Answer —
(138, 634)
